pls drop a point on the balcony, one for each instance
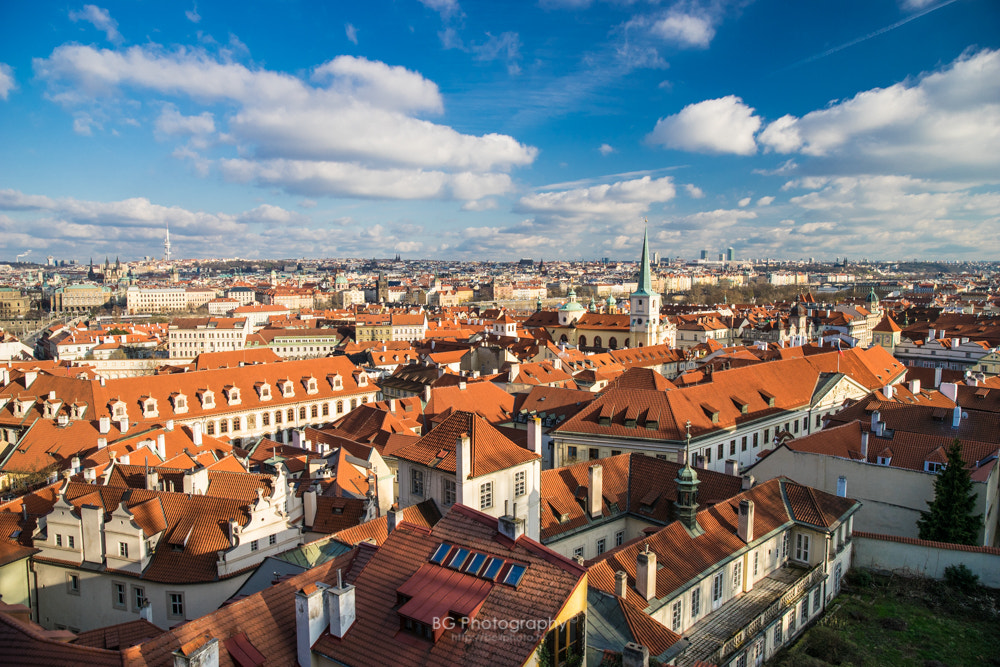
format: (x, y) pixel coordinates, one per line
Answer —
(735, 623)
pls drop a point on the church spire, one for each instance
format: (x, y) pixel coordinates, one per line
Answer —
(645, 286)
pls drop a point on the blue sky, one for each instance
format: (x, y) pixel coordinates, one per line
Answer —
(497, 130)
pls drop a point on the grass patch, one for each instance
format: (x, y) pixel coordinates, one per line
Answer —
(888, 620)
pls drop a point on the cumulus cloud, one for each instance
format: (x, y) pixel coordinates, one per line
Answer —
(506, 47)
(7, 82)
(354, 129)
(685, 30)
(621, 200)
(100, 19)
(694, 191)
(743, 203)
(946, 118)
(765, 201)
(606, 149)
(352, 33)
(724, 125)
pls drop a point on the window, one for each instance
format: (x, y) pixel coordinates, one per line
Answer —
(567, 639)
(719, 454)
(236, 424)
(619, 538)
(70, 539)
(741, 660)
(767, 436)
(756, 443)
(708, 455)
(819, 421)
(756, 562)
(838, 573)
(578, 552)
(340, 407)
(138, 598)
(817, 599)
(210, 428)
(314, 411)
(801, 547)
(777, 633)
(805, 423)
(520, 482)
(254, 545)
(717, 589)
(743, 444)
(615, 452)
(675, 617)
(277, 417)
(119, 596)
(732, 448)
(791, 623)
(58, 540)
(175, 605)
(265, 419)
(272, 539)
(123, 549)
(302, 412)
(784, 545)
(737, 577)
(449, 492)
(595, 453)
(417, 482)
(805, 610)
(695, 603)
(224, 426)
(290, 415)
(73, 583)
(601, 545)
(326, 409)
(486, 495)
(795, 425)
(571, 452)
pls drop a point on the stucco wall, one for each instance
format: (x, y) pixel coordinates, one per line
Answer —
(926, 559)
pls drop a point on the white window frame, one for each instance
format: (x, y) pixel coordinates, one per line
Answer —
(486, 495)
(802, 547)
(718, 582)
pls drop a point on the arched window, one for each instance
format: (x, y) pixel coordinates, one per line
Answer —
(597, 341)
(613, 343)
(340, 407)
(563, 339)
(581, 341)
(626, 342)
(291, 414)
(302, 412)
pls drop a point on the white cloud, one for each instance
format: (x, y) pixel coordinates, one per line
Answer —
(506, 47)
(354, 131)
(765, 201)
(480, 205)
(192, 15)
(606, 149)
(916, 4)
(352, 33)
(743, 203)
(100, 19)
(724, 125)
(694, 191)
(7, 82)
(621, 200)
(949, 118)
(446, 8)
(685, 30)
(83, 124)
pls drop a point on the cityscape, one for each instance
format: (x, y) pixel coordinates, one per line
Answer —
(582, 332)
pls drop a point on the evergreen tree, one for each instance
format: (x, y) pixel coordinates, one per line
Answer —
(951, 515)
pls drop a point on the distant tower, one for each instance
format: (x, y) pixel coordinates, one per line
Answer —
(730, 254)
(166, 244)
(381, 289)
(704, 254)
(644, 322)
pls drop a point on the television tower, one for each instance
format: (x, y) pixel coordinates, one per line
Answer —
(166, 244)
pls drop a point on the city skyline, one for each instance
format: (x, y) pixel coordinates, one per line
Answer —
(451, 130)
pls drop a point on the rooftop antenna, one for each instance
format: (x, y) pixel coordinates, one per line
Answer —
(166, 244)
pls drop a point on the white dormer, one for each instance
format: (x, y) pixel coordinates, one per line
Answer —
(207, 398)
(336, 381)
(263, 391)
(118, 409)
(232, 394)
(179, 402)
(77, 410)
(148, 404)
(310, 384)
(286, 388)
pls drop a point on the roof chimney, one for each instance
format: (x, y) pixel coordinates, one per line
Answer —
(104, 425)
(635, 655)
(161, 446)
(747, 482)
(950, 389)
(169, 425)
(875, 418)
(595, 491)
(645, 574)
(842, 486)
(914, 387)
(309, 507)
(887, 390)
(745, 527)
(29, 378)
(392, 518)
(152, 479)
(510, 525)
(196, 434)
(937, 377)
(463, 454)
(864, 445)
(310, 620)
(91, 520)
(340, 607)
(194, 655)
(535, 435)
(123, 424)
(621, 583)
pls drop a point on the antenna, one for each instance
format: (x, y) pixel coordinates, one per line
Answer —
(166, 244)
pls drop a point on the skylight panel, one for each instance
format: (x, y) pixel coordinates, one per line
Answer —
(514, 575)
(475, 564)
(459, 558)
(441, 552)
(492, 568)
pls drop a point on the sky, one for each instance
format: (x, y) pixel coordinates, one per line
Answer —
(452, 129)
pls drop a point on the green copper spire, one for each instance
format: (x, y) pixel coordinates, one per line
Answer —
(645, 282)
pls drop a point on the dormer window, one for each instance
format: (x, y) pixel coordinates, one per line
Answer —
(286, 388)
(207, 398)
(148, 406)
(362, 380)
(78, 410)
(311, 385)
(119, 409)
(232, 394)
(179, 401)
(884, 460)
(263, 391)
(933, 466)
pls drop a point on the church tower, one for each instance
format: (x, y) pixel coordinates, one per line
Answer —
(644, 321)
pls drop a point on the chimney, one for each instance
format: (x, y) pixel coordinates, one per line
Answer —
(510, 525)
(392, 518)
(392, 405)
(427, 393)
(75, 464)
(732, 467)
(193, 654)
(102, 443)
(595, 491)
(842, 486)
(956, 417)
(887, 390)
(152, 479)
(635, 655)
(196, 481)
(309, 507)
(463, 456)
(930, 334)
(971, 380)
(161, 446)
(875, 418)
(515, 370)
(914, 387)
(747, 482)
(104, 425)
(102, 381)
(950, 389)
(621, 583)
(745, 528)
(29, 378)
(864, 445)
(170, 425)
(340, 607)
(90, 475)
(645, 574)
(91, 520)
(461, 385)
(535, 435)
(232, 531)
(196, 434)
(310, 620)
(123, 424)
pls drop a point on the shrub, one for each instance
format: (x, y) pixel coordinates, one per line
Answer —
(961, 578)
